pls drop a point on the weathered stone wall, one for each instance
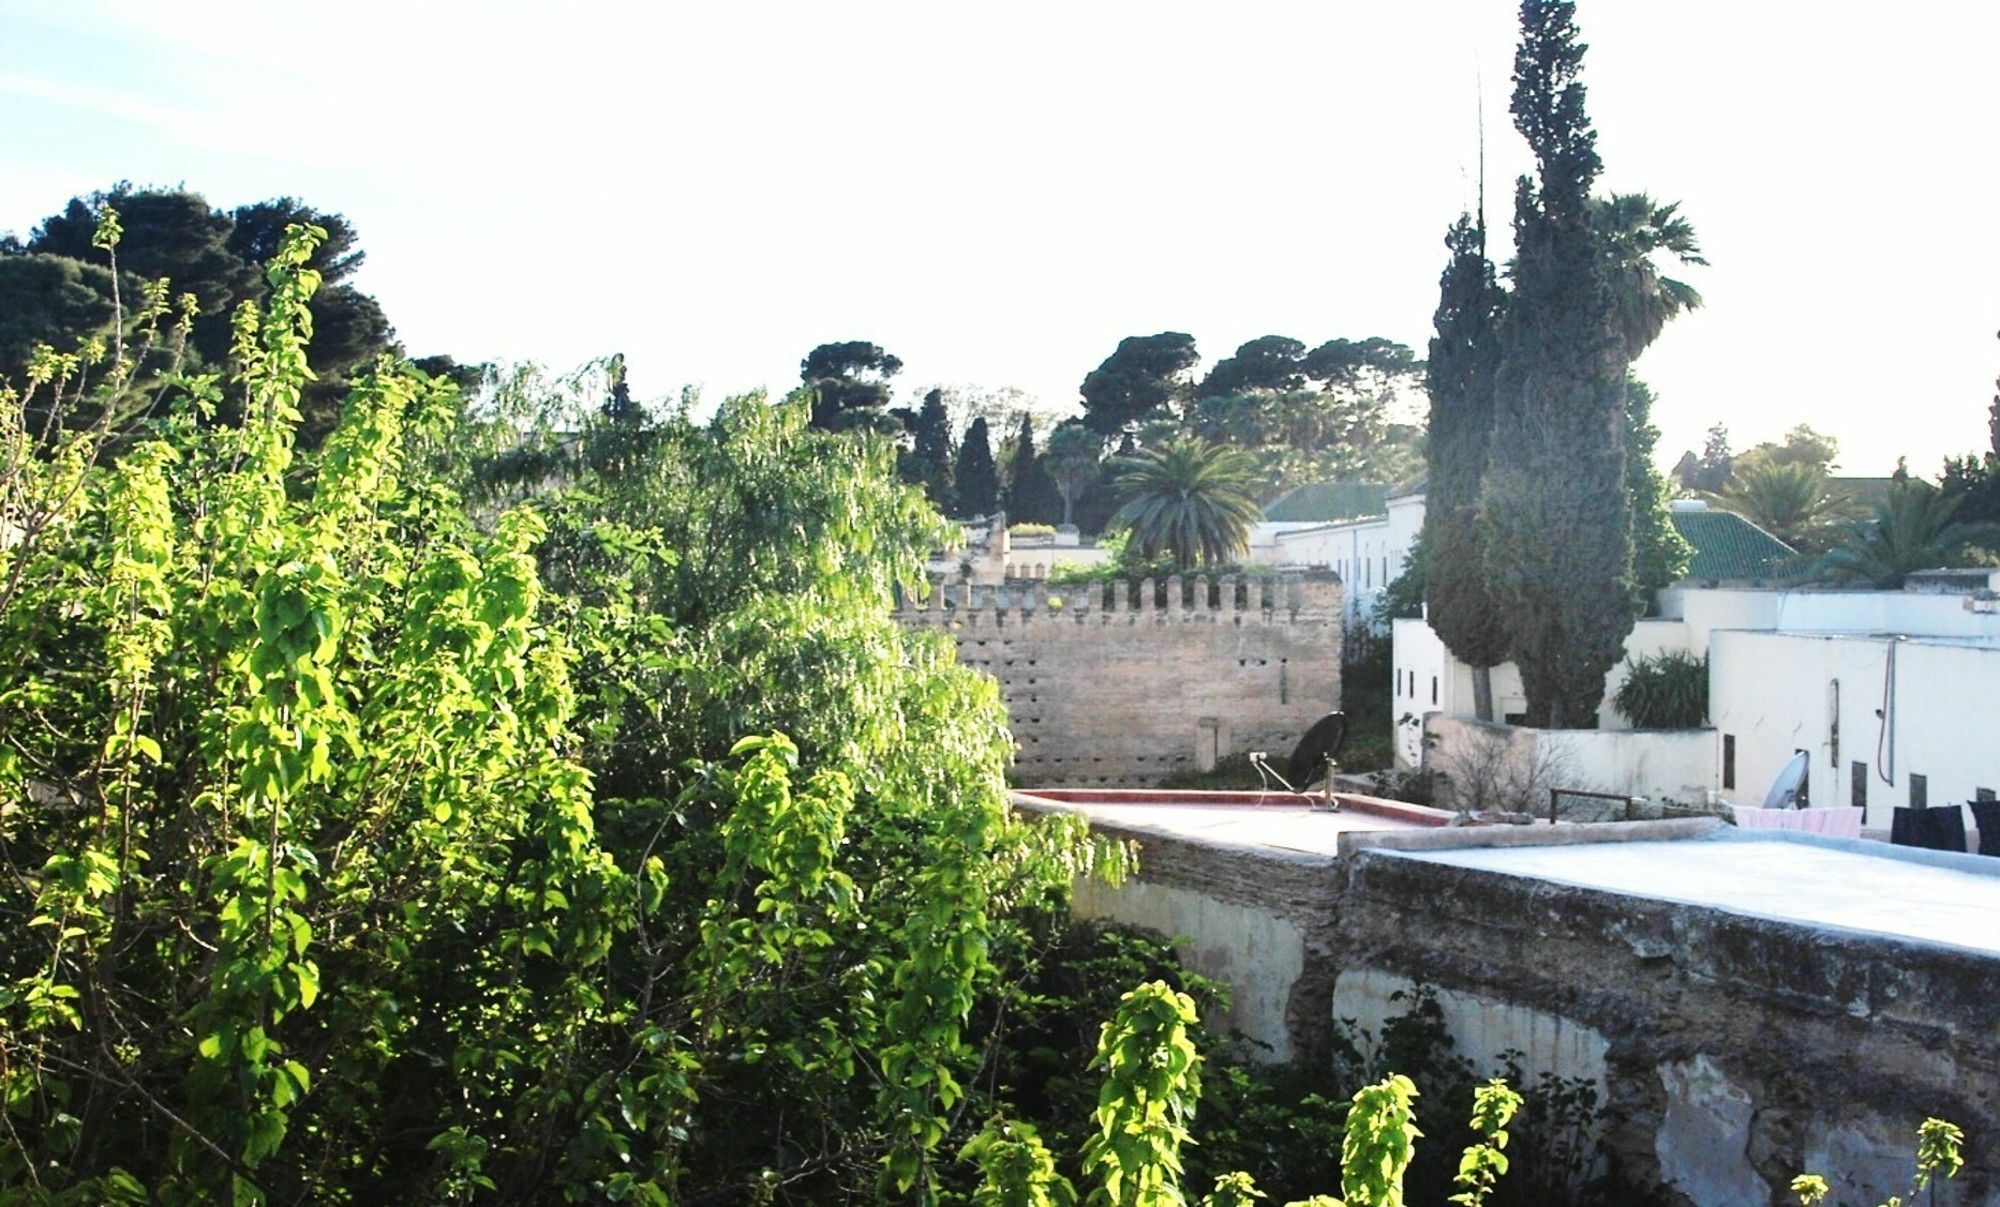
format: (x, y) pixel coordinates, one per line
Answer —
(1112, 688)
(1738, 1050)
(1732, 1051)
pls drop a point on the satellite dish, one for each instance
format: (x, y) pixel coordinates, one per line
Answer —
(1317, 750)
(1784, 793)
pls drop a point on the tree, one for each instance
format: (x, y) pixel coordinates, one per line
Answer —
(1631, 229)
(1190, 500)
(1269, 362)
(1974, 481)
(1357, 362)
(1916, 528)
(1032, 495)
(1074, 460)
(219, 259)
(388, 849)
(49, 300)
(257, 231)
(1712, 472)
(1993, 417)
(1660, 554)
(1464, 355)
(1558, 536)
(977, 479)
(850, 384)
(1141, 378)
(1801, 446)
(170, 234)
(1791, 500)
(930, 453)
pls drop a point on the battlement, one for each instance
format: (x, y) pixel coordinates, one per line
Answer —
(1297, 598)
(1123, 682)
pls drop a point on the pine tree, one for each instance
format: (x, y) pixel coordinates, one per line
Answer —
(1463, 357)
(1558, 534)
(931, 456)
(1032, 496)
(977, 480)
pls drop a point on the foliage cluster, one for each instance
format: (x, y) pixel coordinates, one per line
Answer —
(1548, 513)
(381, 822)
(56, 289)
(1665, 691)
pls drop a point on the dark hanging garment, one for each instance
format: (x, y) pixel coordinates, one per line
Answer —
(1986, 815)
(1941, 829)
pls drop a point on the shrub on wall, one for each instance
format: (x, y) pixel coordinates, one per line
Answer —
(1665, 691)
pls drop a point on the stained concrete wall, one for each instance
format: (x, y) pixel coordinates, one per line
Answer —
(1675, 765)
(1109, 687)
(1734, 1051)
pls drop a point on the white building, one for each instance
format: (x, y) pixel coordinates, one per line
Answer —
(1894, 695)
(1368, 553)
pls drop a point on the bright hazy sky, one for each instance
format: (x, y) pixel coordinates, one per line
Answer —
(998, 194)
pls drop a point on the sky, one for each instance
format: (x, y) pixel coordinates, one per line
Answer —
(999, 194)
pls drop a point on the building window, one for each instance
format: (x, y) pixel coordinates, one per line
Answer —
(1385, 571)
(1729, 760)
(1857, 790)
(1805, 784)
(1920, 791)
(1434, 689)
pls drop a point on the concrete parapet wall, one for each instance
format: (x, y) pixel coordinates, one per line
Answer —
(1125, 683)
(1731, 1050)
(1484, 765)
(1738, 1050)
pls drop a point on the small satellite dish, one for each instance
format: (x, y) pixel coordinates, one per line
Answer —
(1784, 793)
(1317, 750)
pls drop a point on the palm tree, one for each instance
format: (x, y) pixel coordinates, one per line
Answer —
(1190, 499)
(1914, 530)
(1632, 227)
(1073, 458)
(1788, 499)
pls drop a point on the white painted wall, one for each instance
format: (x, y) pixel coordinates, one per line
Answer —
(1427, 678)
(1260, 954)
(1775, 694)
(1483, 1031)
(1675, 765)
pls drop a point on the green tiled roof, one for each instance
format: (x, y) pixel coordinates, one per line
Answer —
(1727, 546)
(1325, 502)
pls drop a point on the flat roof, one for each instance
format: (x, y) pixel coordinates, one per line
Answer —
(1275, 821)
(1928, 896)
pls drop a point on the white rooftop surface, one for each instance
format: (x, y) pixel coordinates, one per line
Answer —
(1282, 827)
(1790, 880)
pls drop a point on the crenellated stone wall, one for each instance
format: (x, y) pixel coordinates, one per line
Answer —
(1123, 684)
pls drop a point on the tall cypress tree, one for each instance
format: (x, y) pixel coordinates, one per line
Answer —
(1558, 535)
(1660, 554)
(931, 454)
(1032, 495)
(1463, 357)
(977, 480)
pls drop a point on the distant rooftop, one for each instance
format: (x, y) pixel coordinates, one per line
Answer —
(1326, 502)
(1729, 548)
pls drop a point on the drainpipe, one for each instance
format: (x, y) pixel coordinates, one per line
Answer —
(1885, 733)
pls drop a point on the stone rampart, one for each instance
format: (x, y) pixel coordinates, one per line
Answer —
(1124, 683)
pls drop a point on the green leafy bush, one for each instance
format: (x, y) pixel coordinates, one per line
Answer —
(1665, 691)
(536, 808)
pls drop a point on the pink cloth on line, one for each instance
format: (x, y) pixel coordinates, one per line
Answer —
(1837, 823)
